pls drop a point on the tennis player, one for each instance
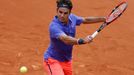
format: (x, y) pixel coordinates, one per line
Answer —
(58, 56)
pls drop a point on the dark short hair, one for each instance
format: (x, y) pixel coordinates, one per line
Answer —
(64, 3)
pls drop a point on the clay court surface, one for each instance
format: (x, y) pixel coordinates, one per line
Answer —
(24, 37)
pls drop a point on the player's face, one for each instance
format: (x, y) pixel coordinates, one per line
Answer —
(63, 14)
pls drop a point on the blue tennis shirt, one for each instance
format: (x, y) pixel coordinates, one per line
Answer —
(58, 49)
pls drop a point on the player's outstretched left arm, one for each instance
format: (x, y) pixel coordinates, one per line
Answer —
(88, 20)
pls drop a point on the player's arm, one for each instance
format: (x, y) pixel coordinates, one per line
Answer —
(87, 20)
(74, 41)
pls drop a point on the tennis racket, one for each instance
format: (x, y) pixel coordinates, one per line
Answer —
(116, 12)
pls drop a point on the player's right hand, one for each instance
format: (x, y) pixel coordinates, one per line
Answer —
(88, 39)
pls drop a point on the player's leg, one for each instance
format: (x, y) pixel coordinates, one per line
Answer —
(67, 67)
(53, 67)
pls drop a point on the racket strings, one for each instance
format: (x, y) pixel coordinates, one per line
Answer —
(116, 12)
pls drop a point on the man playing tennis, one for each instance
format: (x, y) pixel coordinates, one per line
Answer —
(58, 56)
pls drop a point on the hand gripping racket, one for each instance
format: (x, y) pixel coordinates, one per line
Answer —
(116, 12)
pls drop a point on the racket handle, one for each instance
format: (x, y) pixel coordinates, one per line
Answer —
(94, 34)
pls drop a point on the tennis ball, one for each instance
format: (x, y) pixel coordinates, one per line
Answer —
(23, 69)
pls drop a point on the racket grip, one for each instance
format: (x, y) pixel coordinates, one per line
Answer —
(94, 34)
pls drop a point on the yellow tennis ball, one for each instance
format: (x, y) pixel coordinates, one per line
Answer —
(23, 69)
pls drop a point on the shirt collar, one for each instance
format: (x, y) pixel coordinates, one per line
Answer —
(57, 20)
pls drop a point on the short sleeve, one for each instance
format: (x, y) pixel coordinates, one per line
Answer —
(79, 19)
(55, 31)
